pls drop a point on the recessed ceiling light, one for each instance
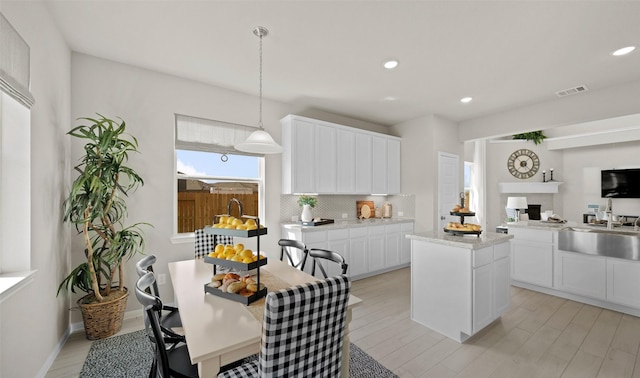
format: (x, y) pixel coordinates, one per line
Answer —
(465, 100)
(389, 98)
(623, 51)
(391, 64)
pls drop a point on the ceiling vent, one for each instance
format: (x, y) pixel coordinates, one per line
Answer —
(570, 91)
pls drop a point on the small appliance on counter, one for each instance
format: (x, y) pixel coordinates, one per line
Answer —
(317, 222)
(386, 210)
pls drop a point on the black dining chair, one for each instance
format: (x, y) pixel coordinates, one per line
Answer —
(302, 332)
(168, 316)
(318, 255)
(173, 361)
(295, 251)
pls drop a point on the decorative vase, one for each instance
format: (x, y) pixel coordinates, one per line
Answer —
(306, 215)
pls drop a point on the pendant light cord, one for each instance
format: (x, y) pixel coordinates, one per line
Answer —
(260, 115)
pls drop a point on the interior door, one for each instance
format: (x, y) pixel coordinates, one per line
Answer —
(448, 189)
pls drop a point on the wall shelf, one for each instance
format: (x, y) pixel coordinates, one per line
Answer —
(529, 187)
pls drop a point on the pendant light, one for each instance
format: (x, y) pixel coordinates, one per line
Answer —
(260, 142)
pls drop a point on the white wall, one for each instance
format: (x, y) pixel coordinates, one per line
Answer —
(33, 321)
(422, 139)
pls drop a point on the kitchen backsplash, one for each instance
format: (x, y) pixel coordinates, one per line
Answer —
(334, 206)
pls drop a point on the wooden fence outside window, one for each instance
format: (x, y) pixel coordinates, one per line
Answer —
(196, 209)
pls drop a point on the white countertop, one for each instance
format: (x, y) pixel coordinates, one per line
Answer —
(539, 225)
(342, 223)
(485, 239)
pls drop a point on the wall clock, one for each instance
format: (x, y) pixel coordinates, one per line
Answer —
(523, 163)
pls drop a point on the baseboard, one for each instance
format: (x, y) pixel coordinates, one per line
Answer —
(54, 354)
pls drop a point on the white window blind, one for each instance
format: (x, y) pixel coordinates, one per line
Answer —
(193, 133)
(14, 64)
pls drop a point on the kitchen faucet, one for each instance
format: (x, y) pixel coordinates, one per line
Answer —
(609, 213)
(635, 224)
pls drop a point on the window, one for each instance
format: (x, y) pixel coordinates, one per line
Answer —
(209, 173)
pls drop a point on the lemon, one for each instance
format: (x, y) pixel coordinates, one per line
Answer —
(219, 248)
(223, 219)
(230, 220)
(236, 258)
(230, 226)
(229, 251)
(246, 253)
(247, 260)
(251, 227)
(261, 257)
(250, 222)
(212, 254)
(241, 227)
(237, 222)
(238, 247)
(230, 257)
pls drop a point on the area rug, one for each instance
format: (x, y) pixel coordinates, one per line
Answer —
(130, 355)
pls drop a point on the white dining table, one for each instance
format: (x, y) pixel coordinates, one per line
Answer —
(219, 331)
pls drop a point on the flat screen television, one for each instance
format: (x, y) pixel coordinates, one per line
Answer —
(620, 183)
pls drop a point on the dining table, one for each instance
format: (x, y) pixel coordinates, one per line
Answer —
(219, 331)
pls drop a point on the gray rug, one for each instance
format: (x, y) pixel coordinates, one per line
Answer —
(130, 355)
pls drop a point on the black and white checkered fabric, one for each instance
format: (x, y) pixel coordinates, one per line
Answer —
(205, 243)
(302, 332)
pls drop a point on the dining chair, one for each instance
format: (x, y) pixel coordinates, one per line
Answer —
(302, 332)
(317, 255)
(168, 316)
(295, 251)
(173, 361)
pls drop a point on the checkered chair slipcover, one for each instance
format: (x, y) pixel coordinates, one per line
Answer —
(205, 243)
(302, 332)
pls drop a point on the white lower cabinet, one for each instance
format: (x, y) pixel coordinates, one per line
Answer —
(366, 249)
(623, 281)
(532, 256)
(581, 274)
(482, 297)
(376, 248)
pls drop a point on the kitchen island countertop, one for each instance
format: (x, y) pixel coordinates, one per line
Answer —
(485, 239)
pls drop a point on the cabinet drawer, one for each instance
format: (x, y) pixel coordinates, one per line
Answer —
(392, 228)
(542, 236)
(314, 237)
(501, 250)
(338, 234)
(482, 256)
(376, 230)
(358, 232)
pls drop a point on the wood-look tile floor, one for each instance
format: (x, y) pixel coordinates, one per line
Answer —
(540, 336)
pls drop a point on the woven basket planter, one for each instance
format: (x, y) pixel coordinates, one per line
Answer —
(103, 319)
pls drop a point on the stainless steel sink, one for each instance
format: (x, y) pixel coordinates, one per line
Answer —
(619, 244)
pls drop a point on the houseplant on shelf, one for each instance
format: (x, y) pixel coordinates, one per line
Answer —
(307, 202)
(97, 208)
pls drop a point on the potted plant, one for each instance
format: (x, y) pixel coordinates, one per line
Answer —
(307, 202)
(97, 208)
(535, 136)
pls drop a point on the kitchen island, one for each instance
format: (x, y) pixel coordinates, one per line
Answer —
(459, 284)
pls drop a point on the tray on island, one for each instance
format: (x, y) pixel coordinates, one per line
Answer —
(234, 264)
(316, 222)
(244, 299)
(462, 214)
(462, 232)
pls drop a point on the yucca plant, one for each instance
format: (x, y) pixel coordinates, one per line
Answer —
(96, 206)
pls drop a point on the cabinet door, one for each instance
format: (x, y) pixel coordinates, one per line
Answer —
(482, 297)
(303, 157)
(376, 248)
(358, 252)
(325, 159)
(501, 286)
(341, 247)
(392, 254)
(581, 274)
(532, 262)
(379, 160)
(623, 281)
(393, 166)
(346, 155)
(363, 163)
(405, 252)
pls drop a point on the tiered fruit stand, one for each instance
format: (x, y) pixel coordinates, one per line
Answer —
(462, 214)
(238, 266)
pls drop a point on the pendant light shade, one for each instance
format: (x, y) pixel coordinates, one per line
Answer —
(260, 142)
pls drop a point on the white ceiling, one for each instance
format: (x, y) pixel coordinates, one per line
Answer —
(328, 55)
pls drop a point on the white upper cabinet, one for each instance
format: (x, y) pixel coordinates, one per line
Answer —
(364, 165)
(326, 158)
(346, 154)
